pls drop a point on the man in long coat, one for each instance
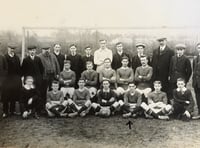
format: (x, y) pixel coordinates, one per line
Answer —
(196, 77)
(161, 63)
(32, 66)
(3, 70)
(12, 84)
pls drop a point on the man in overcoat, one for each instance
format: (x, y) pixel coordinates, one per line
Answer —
(161, 62)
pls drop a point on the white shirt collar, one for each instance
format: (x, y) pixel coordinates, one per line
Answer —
(139, 55)
(162, 47)
(73, 53)
(183, 90)
(32, 57)
(57, 52)
(120, 52)
(11, 54)
(28, 87)
(100, 49)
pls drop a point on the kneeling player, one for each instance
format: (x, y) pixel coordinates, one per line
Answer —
(81, 104)
(106, 101)
(55, 101)
(157, 103)
(132, 101)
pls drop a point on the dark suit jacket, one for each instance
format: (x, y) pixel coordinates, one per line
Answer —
(60, 57)
(85, 59)
(116, 62)
(3, 69)
(12, 84)
(76, 64)
(180, 67)
(196, 72)
(137, 63)
(33, 68)
(160, 63)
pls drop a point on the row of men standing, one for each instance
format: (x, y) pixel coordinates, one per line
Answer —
(47, 66)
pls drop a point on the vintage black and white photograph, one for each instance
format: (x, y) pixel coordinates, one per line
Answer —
(100, 74)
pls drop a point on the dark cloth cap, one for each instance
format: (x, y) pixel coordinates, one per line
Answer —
(140, 44)
(180, 46)
(161, 39)
(67, 62)
(30, 47)
(12, 45)
(45, 46)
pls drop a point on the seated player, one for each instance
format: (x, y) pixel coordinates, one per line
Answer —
(91, 78)
(143, 76)
(108, 73)
(81, 104)
(106, 104)
(29, 100)
(124, 76)
(183, 103)
(55, 101)
(67, 79)
(132, 101)
(157, 103)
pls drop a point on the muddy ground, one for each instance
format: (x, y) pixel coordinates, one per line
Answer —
(98, 132)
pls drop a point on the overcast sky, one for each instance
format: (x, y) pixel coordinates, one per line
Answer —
(86, 13)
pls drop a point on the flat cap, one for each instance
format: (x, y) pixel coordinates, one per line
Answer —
(67, 62)
(12, 45)
(140, 44)
(161, 39)
(45, 46)
(180, 46)
(30, 47)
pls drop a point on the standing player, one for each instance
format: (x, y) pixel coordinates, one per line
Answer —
(101, 54)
